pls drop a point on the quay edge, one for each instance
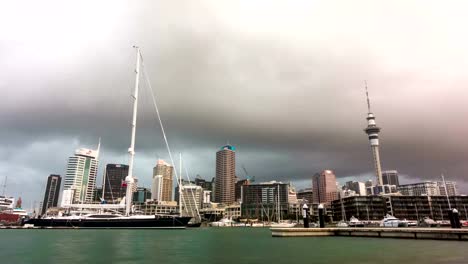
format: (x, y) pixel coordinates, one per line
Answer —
(407, 233)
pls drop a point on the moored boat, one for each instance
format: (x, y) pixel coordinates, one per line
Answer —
(354, 222)
(391, 221)
(111, 221)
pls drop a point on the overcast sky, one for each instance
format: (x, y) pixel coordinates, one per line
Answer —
(283, 81)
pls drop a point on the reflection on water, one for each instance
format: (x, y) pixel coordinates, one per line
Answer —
(216, 245)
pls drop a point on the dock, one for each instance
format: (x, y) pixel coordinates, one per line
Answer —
(382, 232)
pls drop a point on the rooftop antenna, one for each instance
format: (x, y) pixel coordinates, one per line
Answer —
(367, 95)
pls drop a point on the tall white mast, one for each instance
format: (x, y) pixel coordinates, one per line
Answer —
(180, 184)
(4, 184)
(131, 150)
(446, 193)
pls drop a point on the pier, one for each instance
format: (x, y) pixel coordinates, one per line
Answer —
(408, 233)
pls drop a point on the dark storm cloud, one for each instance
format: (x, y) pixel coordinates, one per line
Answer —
(284, 84)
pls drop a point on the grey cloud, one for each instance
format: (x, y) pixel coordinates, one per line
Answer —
(285, 85)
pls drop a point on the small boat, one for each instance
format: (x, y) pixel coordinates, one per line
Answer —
(354, 222)
(342, 224)
(224, 222)
(283, 225)
(428, 222)
(391, 221)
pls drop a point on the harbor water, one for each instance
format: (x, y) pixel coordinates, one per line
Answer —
(216, 245)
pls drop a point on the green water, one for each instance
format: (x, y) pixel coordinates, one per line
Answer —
(216, 245)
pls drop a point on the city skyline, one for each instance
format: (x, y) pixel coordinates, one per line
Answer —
(291, 107)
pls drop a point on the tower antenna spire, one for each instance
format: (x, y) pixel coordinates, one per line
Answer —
(367, 96)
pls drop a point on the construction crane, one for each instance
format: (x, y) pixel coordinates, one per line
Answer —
(251, 179)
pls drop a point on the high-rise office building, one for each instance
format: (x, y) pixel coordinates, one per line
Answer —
(80, 179)
(52, 192)
(372, 130)
(225, 175)
(324, 187)
(114, 186)
(192, 199)
(390, 177)
(165, 170)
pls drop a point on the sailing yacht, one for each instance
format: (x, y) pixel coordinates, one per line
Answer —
(281, 223)
(115, 220)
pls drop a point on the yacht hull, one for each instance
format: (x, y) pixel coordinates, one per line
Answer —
(130, 223)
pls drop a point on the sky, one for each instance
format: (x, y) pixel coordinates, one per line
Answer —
(283, 81)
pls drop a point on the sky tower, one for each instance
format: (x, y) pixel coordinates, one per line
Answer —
(372, 130)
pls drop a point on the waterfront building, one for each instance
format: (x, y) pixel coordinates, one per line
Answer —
(372, 131)
(418, 207)
(428, 188)
(238, 190)
(192, 199)
(451, 188)
(324, 188)
(390, 177)
(262, 200)
(366, 208)
(81, 175)
(358, 187)
(402, 207)
(225, 175)
(141, 195)
(52, 192)
(166, 171)
(114, 186)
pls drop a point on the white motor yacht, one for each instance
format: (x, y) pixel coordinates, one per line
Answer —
(354, 222)
(342, 224)
(391, 221)
(283, 224)
(223, 222)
